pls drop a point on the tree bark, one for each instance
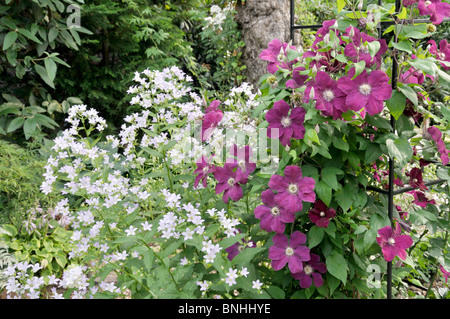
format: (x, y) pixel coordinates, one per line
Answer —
(261, 21)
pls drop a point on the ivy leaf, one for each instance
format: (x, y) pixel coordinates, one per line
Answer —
(337, 266)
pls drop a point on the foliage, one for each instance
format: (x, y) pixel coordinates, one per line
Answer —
(128, 35)
(33, 35)
(20, 175)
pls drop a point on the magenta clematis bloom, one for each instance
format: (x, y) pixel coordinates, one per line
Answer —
(421, 200)
(311, 273)
(412, 75)
(445, 273)
(416, 179)
(436, 9)
(289, 251)
(203, 169)
(407, 3)
(392, 243)
(357, 49)
(238, 247)
(330, 99)
(321, 214)
(436, 135)
(213, 116)
(273, 216)
(227, 182)
(244, 166)
(401, 213)
(285, 123)
(366, 90)
(443, 54)
(323, 31)
(277, 56)
(297, 79)
(292, 188)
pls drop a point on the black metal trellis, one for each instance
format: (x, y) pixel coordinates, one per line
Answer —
(390, 192)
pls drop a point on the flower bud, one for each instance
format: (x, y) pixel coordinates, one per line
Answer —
(431, 27)
(312, 93)
(360, 5)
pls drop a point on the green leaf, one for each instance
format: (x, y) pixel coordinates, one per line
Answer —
(275, 292)
(311, 136)
(29, 35)
(8, 230)
(324, 192)
(337, 266)
(15, 124)
(359, 67)
(315, 236)
(44, 75)
(329, 177)
(427, 66)
(51, 68)
(404, 45)
(400, 149)
(340, 5)
(339, 143)
(396, 104)
(373, 152)
(408, 92)
(9, 40)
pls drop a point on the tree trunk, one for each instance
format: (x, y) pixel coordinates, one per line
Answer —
(261, 21)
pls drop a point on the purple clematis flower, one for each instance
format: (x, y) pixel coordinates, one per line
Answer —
(227, 182)
(416, 179)
(436, 9)
(436, 135)
(292, 188)
(392, 243)
(443, 54)
(273, 216)
(330, 99)
(285, 123)
(445, 273)
(297, 79)
(359, 51)
(289, 251)
(213, 116)
(412, 75)
(203, 169)
(366, 90)
(276, 54)
(244, 166)
(321, 214)
(238, 247)
(311, 273)
(421, 200)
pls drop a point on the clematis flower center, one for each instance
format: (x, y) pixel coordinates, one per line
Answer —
(289, 251)
(241, 164)
(364, 49)
(293, 189)
(365, 89)
(441, 56)
(275, 211)
(322, 214)
(241, 248)
(308, 270)
(391, 241)
(231, 181)
(205, 169)
(427, 3)
(281, 56)
(328, 95)
(286, 121)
